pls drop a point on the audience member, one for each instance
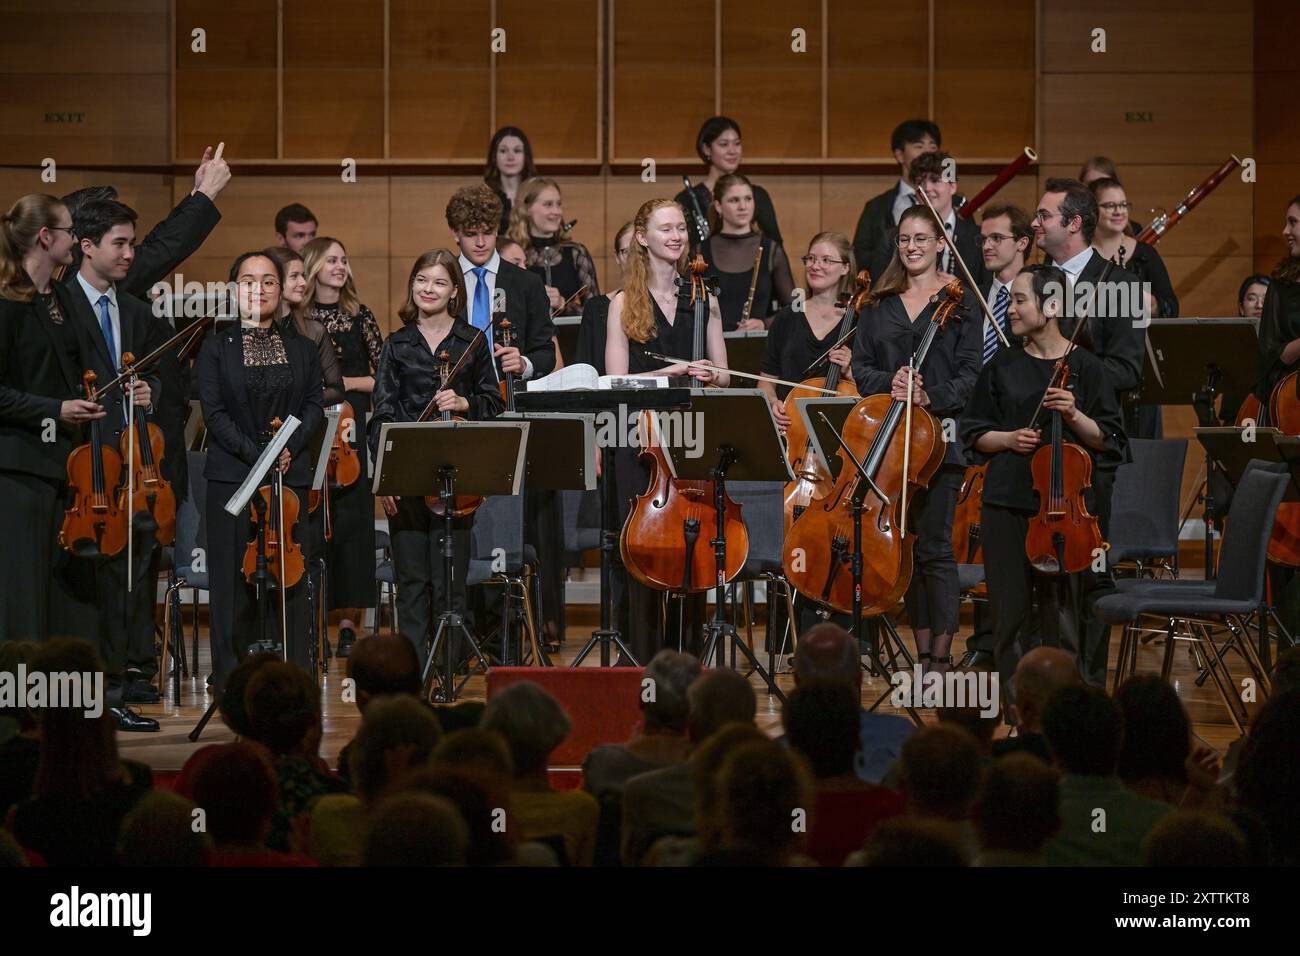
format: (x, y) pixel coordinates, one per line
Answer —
(764, 795)
(416, 829)
(1039, 674)
(1102, 821)
(1156, 758)
(1268, 776)
(379, 665)
(662, 802)
(533, 725)
(972, 720)
(1017, 811)
(1194, 838)
(823, 724)
(161, 830)
(484, 752)
(483, 803)
(940, 773)
(912, 841)
(20, 736)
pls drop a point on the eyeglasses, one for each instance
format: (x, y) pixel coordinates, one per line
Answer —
(1115, 206)
(68, 229)
(921, 240)
(267, 284)
(822, 261)
(995, 238)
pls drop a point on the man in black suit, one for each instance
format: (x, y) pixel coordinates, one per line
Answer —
(936, 173)
(112, 324)
(873, 240)
(1109, 300)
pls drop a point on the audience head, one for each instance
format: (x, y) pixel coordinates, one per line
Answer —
(13, 653)
(718, 698)
(1286, 671)
(939, 772)
(159, 831)
(481, 800)
(509, 154)
(1065, 219)
(910, 139)
(1040, 673)
(532, 723)
(763, 788)
(383, 664)
(11, 854)
(283, 707)
(1157, 733)
(1268, 774)
(827, 652)
(823, 722)
(971, 719)
(1085, 730)
(473, 216)
(706, 768)
(1194, 838)
(295, 226)
(473, 749)
(416, 829)
(670, 674)
(913, 841)
(233, 706)
(235, 785)
(1018, 809)
(397, 737)
(78, 754)
(36, 224)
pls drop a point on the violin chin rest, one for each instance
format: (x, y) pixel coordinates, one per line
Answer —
(144, 523)
(85, 548)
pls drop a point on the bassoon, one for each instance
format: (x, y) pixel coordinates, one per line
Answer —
(1009, 172)
(1167, 220)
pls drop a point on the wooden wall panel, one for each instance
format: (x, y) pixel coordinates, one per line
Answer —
(418, 215)
(239, 34)
(83, 36)
(773, 92)
(1155, 36)
(333, 34)
(1278, 184)
(878, 74)
(79, 118)
(662, 78)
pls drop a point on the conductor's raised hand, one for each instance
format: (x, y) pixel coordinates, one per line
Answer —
(213, 173)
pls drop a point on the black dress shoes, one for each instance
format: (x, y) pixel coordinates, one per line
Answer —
(140, 692)
(347, 637)
(127, 719)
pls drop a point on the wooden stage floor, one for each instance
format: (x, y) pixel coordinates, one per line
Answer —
(168, 749)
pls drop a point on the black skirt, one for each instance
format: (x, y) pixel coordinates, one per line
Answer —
(352, 548)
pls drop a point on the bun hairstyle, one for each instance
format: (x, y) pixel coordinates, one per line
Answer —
(20, 229)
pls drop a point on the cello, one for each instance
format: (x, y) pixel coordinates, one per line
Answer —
(812, 479)
(666, 543)
(93, 524)
(1284, 415)
(151, 492)
(897, 461)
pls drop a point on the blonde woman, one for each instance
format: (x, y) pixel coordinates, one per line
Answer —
(537, 224)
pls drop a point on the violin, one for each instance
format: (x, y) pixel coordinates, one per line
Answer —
(150, 492)
(94, 524)
(812, 479)
(284, 559)
(506, 333)
(900, 449)
(1063, 537)
(464, 505)
(667, 541)
(967, 538)
(344, 465)
(1284, 415)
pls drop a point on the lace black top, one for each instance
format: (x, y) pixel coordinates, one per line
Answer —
(267, 375)
(357, 339)
(571, 268)
(731, 259)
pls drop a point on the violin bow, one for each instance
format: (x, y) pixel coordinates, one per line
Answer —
(460, 363)
(195, 331)
(827, 354)
(731, 371)
(970, 281)
(570, 300)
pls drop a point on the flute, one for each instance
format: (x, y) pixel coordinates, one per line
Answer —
(753, 284)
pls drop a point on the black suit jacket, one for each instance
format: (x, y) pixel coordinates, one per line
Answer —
(969, 247)
(36, 378)
(136, 321)
(1111, 334)
(529, 312)
(871, 240)
(233, 446)
(170, 243)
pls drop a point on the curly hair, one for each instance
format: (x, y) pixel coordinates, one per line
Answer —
(474, 207)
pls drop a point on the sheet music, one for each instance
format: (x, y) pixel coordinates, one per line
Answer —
(239, 500)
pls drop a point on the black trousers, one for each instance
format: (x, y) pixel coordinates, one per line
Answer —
(29, 528)
(417, 536)
(544, 530)
(933, 597)
(1091, 586)
(233, 610)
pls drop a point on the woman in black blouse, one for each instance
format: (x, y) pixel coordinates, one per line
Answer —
(331, 299)
(509, 163)
(802, 333)
(537, 224)
(731, 251)
(408, 378)
(996, 429)
(248, 376)
(890, 328)
(718, 146)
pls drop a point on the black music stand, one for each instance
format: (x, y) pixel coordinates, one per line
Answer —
(417, 459)
(566, 334)
(561, 456)
(618, 402)
(739, 441)
(1191, 361)
(745, 349)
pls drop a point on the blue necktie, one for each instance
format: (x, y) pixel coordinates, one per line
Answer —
(999, 314)
(106, 326)
(481, 314)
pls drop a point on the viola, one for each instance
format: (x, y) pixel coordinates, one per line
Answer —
(900, 450)
(150, 491)
(667, 538)
(1063, 538)
(506, 333)
(464, 505)
(967, 540)
(94, 523)
(812, 479)
(284, 558)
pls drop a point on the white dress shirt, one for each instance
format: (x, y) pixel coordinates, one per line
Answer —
(491, 267)
(1074, 266)
(903, 200)
(114, 315)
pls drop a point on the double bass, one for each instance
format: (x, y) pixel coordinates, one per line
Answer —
(667, 538)
(94, 523)
(812, 479)
(900, 447)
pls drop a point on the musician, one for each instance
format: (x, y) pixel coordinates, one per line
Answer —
(537, 224)
(1006, 237)
(719, 148)
(936, 173)
(331, 299)
(248, 376)
(1251, 294)
(40, 414)
(872, 240)
(890, 328)
(996, 429)
(799, 336)
(653, 313)
(1103, 167)
(731, 251)
(295, 226)
(1113, 239)
(408, 378)
(509, 163)
(595, 311)
(113, 323)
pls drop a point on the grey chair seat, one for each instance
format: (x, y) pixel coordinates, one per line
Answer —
(1146, 585)
(382, 539)
(480, 569)
(1121, 608)
(384, 573)
(969, 575)
(758, 565)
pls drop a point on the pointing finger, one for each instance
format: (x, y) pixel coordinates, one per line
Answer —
(220, 148)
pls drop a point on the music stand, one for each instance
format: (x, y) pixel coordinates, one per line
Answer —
(740, 442)
(1194, 360)
(604, 402)
(560, 456)
(319, 447)
(417, 459)
(745, 349)
(566, 334)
